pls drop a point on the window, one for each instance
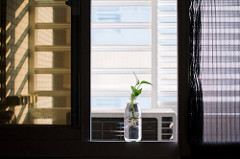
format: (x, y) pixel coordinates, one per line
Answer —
(37, 63)
(135, 36)
(73, 141)
(214, 78)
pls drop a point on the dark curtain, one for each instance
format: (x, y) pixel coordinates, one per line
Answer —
(196, 102)
(215, 71)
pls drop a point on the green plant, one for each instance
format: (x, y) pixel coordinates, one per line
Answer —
(136, 91)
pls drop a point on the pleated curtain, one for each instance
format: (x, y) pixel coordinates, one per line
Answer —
(214, 105)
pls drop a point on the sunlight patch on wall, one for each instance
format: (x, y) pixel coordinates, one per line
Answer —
(43, 121)
(21, 8)
(8, 53)
(22, 27)
(8, 26)
(21, 53)
(44, 37)
(23, 115)
(44, 14)
(21, 78)
(44, 102)
(44, 59)
(44, 82)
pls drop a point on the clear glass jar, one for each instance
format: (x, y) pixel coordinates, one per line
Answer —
(133, 122)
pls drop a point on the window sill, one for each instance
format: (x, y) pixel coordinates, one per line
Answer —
(79, 149)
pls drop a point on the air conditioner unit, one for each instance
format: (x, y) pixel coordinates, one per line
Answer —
(157, 125)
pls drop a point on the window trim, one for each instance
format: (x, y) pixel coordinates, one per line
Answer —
(154, 28)
(183, 77)
(74, 141)
(215, 150)
(2, 50)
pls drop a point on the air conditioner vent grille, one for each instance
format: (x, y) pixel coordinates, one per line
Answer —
(111, 129)
(167, 128)
(167, 119)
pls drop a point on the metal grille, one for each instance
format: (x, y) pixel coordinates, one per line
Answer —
(112, 129)
(167, 128)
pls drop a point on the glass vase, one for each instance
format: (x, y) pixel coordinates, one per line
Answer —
(132, 122)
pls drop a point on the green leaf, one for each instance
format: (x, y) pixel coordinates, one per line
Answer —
(145, 82)
(134, 91)
(136, 78)
(139, 91)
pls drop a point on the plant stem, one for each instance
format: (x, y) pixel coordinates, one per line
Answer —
(132, 108)
(138, 86)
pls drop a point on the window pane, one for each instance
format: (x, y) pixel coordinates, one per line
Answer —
(121, 37)
(37, 81)
(53, 59)
(126, 38)
(167, 55)
(169, 30)
(50, 82)
(52, 36)
(121, 59)
(167, 19)
(104, 102)
(55, 14)
(121, 14)
(117, 82)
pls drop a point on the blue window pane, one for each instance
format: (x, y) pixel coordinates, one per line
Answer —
(168, 31)
(167, 99)
(121, 14)
(121, 36)
(117, 102)
(167, 8)
(167, 42)
(169, 19)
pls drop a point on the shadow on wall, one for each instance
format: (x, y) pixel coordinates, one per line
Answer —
(46, 83)
(17, 55)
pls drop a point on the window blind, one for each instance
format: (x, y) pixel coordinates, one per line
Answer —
(167, 54)
(134, 35)
(120, 44)
(219, 67)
